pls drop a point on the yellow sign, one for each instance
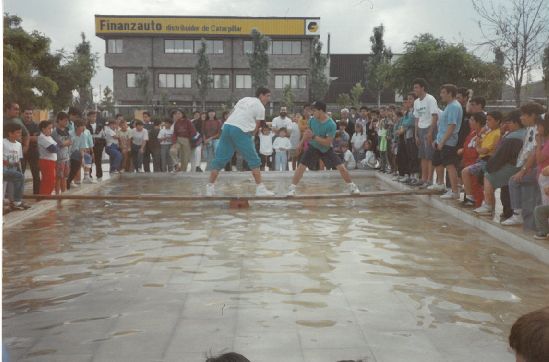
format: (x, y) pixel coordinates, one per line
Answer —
(106, 25)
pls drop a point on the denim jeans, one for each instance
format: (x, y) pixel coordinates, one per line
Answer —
(115, 157)
(166, 159)
(281, 161)
(209, 153)
(137, 157)
(525, 196)
(17, 179)
(541, 214)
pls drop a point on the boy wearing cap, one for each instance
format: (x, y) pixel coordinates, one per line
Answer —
(320, 135)
(236, 135)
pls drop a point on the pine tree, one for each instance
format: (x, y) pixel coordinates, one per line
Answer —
(259, 60)
(203, 74)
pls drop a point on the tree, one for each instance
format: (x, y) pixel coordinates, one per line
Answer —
(203, 74)
(439, 63)
(519, 30)
(259, 60)
(344, 100)
(288, 98)
(545, 67)
(318, 72)
(107, 103)
(26, 58)
(356, 94)
(379, 65)
(142, 80)
(83, 66)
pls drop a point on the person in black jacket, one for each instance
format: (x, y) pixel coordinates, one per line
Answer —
(96, 129)
(502, 165)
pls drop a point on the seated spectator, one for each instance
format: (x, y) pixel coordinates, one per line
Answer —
(530, 335)
(11, 170)
(370, 161)
(469, 155)
(228, 357)
(502, 165)
(485, 142)
(542, 155)
(523, 185)
(348, 158)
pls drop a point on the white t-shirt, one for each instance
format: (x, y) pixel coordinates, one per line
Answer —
(282, 144)
(139, 137)
(295, 135)
(279, 122)
(358, 141)
(13, 152)
(109, 136)
(266, 144)
(43, 143)
(165, 133)
(350, 162)
(246, 112)
(424, 110)
(528, 146)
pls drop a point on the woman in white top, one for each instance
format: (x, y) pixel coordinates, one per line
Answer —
(359, 137)
(112, 147)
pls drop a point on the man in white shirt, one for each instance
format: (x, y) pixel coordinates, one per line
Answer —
(426, 116)
(282, 121)
(237, 134)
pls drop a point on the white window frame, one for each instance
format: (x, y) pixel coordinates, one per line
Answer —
(115, 46)
(243, 81)
(217, 81)
(131, 80)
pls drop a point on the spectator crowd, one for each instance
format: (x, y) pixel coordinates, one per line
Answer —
(454, 147)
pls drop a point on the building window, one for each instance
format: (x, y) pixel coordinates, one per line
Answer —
(171, 80)
(131, 80)
(294, 81)
(212, 46)
(221, 81)
(276, 47)
(243, 81)
(114, 46)
(178, 46)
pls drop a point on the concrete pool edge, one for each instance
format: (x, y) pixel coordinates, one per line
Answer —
(16, 217)
(489, 227)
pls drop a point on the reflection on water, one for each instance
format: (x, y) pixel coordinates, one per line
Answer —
(311, 264)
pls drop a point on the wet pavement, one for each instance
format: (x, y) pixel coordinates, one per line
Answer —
(378, 279)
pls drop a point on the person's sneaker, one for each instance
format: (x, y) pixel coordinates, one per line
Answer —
(395, 178)
(210, 190)
(261, 190)
(291, 190)
(198, 169)
(513, 220)
(541, 236)
(468, 202)
(415, 182)
(353, 188)
(449, 195)
(437, 187)
(404, 179)
(425, 184)
(483, 210)
(20, 206)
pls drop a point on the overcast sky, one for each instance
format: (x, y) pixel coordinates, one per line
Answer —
(350, 22)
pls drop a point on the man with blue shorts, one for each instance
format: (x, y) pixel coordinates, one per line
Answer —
(237, 135)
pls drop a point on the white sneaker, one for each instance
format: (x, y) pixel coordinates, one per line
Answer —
(210, 190)
(483, 210)
(450, 195)
(291, 190)
(513, 220)
(261, 190)
(437, 187)
(353, 189)
(74, 184)
(87, 180)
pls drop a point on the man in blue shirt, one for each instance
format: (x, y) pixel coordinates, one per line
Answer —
(445, 154)
(320, 136)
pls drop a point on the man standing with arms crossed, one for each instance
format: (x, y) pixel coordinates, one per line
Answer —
(236, 135)
(426, 117)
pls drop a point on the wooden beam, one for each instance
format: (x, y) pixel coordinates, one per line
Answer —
(154, 197)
